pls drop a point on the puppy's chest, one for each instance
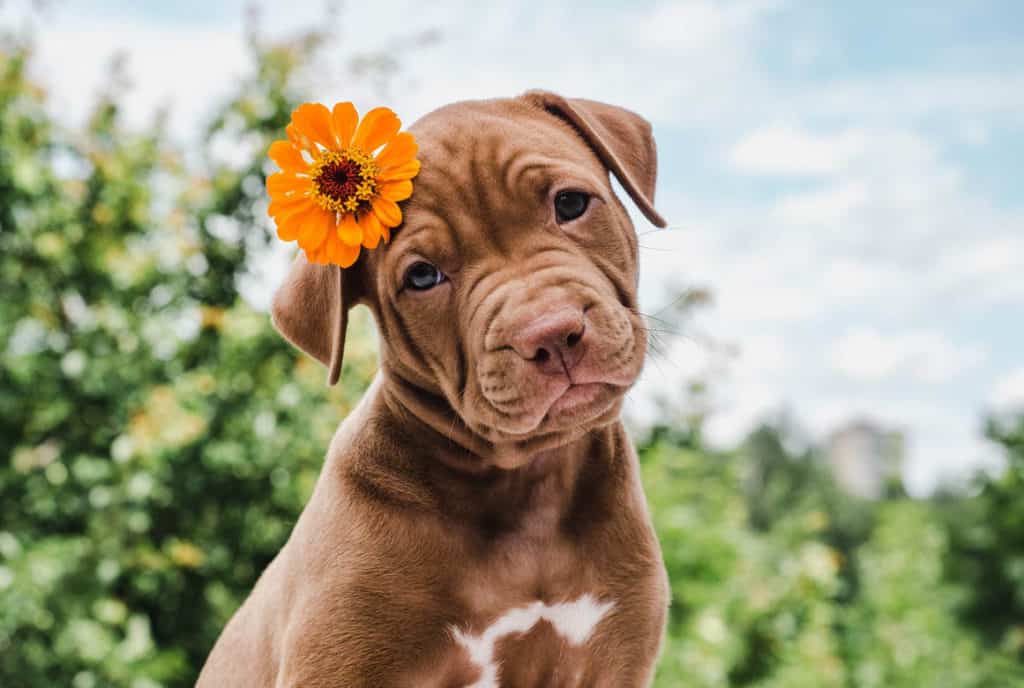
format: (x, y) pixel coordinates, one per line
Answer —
(528, 618)
(531, 645)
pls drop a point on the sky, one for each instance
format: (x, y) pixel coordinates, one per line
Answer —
(845, 178)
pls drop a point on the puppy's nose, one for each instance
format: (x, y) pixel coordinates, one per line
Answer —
(553, 341)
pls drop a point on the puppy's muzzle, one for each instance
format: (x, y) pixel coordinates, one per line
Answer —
(554, 341)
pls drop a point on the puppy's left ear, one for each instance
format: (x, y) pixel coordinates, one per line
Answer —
(621, 139)
(311, 310)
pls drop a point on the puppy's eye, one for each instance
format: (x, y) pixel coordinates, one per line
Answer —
(422, 276)
(570, 204)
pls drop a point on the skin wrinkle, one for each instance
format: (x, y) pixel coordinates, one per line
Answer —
(417, 352)
(518, 165)
(478, 189)
(465, 396)
(480, 303)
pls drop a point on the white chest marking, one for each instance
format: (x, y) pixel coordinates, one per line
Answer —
(574, 621)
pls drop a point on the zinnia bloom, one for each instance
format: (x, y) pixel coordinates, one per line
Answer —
(336, 192)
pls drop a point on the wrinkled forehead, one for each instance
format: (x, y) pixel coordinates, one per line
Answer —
(461, 142)
(490, 159)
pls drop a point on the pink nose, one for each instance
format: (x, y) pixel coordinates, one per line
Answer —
(553, 341)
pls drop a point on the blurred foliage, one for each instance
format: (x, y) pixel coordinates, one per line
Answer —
(160, 440)
(780, 579)
(160, 437)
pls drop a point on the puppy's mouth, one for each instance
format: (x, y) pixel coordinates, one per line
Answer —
(575, 406)
(578, 398)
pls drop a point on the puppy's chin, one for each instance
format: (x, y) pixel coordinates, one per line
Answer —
(581, 405)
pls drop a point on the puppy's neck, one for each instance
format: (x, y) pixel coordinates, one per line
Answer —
(430, 462)
(455, 443)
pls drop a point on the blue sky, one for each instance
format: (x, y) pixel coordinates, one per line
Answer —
(845, 177)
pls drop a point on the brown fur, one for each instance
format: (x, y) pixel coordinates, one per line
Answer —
(461, 487)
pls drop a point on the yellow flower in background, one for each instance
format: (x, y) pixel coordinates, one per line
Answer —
(341, 180)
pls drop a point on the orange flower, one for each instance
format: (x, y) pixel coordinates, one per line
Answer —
(336, 192)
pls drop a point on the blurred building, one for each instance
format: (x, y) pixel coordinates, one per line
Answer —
(865, 457)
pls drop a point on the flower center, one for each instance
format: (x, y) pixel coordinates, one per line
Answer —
(344, 181)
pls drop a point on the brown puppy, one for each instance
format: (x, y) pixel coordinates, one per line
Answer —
(479, 520)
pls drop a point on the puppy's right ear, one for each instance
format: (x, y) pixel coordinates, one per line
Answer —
(311, 310)
(621, 139)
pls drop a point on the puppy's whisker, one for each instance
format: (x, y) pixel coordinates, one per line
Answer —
(648, 316)
(656, 348)
(656, 332)
(659, 354)
(672, 304)
(660, 250)
(662, 230)
(652, 317)
(662, 330)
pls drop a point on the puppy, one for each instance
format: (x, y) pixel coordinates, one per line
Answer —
(479, 520)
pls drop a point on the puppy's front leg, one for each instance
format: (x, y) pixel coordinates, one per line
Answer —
(626, 650)
(370, 633)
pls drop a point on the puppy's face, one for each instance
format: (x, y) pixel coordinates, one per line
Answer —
(510, 289)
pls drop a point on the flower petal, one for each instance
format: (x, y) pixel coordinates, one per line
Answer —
(314, 121)
(371, 229)
(379, 125)
(345, 255)
(344, 119)
(400, 150)
(287, 230)
(385, 233)
(289, 225)
(293, 220)
(299, 139)
(296, 214)
(349, 231)
(285, 205)
(314, 229)
(406, 171)
(317, 255)
(281, 184)
(387, 212)
(396, 191)
(287, 157)
(329, 248)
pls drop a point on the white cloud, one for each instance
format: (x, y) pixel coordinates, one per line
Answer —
(986, 270)
(901, 96)
(922, 356)
(1008, 393)
(484, 51)
(700, 25)
(824, 206)
(784, 149)
(975, 133)
(764, 354)
(185, 70)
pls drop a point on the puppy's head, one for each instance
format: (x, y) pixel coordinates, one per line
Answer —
(508, 295)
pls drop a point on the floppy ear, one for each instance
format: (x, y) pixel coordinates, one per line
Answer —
(621, 139)
(311, 310)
